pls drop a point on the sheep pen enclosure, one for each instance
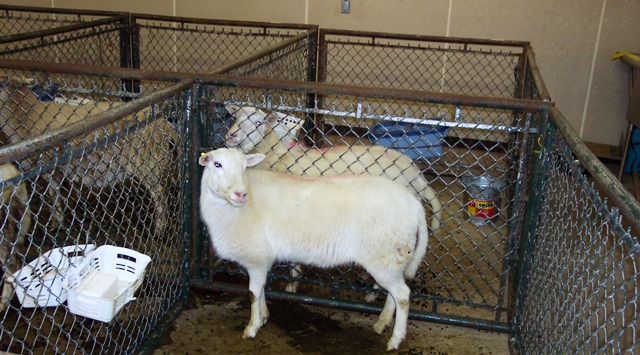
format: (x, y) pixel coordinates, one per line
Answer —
(467, 110)
(151, 42)
(527, 245)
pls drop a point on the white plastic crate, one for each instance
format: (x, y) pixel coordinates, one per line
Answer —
(39, 284)
(105, 282)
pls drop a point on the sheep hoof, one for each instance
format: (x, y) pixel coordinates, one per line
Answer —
(393, 345)
(249, 333)
(379, 327)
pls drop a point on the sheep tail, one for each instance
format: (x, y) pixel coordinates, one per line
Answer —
(436, 206)
(419, 252)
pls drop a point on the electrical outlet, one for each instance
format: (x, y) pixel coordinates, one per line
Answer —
(346, 6)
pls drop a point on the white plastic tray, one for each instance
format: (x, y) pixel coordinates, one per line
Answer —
(105, 282)
(39, 284)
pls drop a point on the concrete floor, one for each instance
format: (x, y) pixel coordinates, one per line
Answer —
(213, 324)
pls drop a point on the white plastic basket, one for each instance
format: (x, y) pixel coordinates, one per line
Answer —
(105, 282)
(39, 284)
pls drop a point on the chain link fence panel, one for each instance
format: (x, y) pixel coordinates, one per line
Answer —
(201, 46)
(468, 266)
(86, 171)
(555, 267)
(579, 292)
(15, 20)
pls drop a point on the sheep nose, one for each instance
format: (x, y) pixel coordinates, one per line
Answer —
(240, 195)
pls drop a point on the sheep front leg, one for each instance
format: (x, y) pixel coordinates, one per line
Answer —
(386, 315)
(259, 311)
(295, 273)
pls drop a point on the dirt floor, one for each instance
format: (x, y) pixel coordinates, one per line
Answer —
(213, 324)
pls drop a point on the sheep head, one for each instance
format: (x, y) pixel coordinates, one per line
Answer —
(248, 129)
(224, 176)
(252, 125)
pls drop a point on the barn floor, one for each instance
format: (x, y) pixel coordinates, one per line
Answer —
(213, 324)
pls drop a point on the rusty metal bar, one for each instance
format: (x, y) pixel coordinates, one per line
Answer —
(59, 136)
(472, 41)
(92, 70)
(259, 54)
(350, 305)
(59, 30)
(543, 93)
(381, 93)
(627, 204)
(286, 85)
(223, 22)
(50, 10)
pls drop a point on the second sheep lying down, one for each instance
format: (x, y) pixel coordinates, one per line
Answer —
(143, 156)
(15, 220)
(242, 210)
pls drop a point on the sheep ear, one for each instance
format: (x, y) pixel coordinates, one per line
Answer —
(254, 159)
(232, 109)
(204, 159)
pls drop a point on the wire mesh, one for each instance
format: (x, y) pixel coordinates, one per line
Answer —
(173, 44)
(289, 63)
(100, 44)
(420, 63)
(18, 20)
(119, 184)
(572, 274)
(582, 277)
(466, 271)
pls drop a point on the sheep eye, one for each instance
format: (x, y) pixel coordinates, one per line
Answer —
(217, 164)
(258, 123)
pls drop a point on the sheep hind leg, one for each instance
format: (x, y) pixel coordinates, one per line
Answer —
(397, 298)
(257, 280)
(401, 293)
(386, 315)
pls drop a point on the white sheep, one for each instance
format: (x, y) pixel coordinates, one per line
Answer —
(142, 157)
(254, 130)
(332, 221)
(250, 132)
(15, 220)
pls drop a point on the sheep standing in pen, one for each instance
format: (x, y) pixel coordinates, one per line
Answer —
(142, 157)
(250, 132)
(367, 220)
(254, 130)
(15, 220)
